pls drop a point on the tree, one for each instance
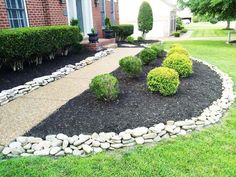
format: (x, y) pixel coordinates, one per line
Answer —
(145, 18)
(213, 9)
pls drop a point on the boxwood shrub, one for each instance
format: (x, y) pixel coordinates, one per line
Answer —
(163, 80)
(158, 48)
(122, 31)
(132, 66)
(105, 87)
(179, 62)
(26, 44)
(147, 55)
(178, 49)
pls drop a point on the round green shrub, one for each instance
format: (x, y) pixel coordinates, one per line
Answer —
(132, 66)
(179, 50)
(179, 62)
(105, 87)
(163, 80)
(176, 34)
(140, 39)
(158, 48)
(147, 55)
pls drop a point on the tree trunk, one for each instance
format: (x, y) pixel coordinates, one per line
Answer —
(228, 24)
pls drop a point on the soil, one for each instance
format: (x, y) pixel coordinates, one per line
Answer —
(135, 107)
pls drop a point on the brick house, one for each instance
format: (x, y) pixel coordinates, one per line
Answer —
(91, 13)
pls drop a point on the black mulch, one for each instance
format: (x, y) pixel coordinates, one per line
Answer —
(135, 106)
(10, 79)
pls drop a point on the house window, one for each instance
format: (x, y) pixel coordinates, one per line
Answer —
(103, 12)
(16, 13)
(113, 14)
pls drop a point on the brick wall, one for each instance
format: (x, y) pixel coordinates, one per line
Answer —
(97, 21)
(3, 15)
(46, 12)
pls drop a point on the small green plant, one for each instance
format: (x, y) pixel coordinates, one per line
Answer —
(107, 24)
(179, 24)
(122, 31)
(132, 66)
(163, 80)
(130, 39)
(176, 34)
(158, 48)
(93, 31)
(178, 49)
(179, 62)
(140, 39)
(147, 55)
(145, 18)
(105, 87)
(184, 30)
(74, 22)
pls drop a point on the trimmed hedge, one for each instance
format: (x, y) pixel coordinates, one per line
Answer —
(178, 49)
(105, 87)
(163, 80)
(179, 62)
(132, 66)
(147, 55)
(122, 31)
(28, 44)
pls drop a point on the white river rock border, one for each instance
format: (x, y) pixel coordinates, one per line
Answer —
(82, 145)
(8, 95)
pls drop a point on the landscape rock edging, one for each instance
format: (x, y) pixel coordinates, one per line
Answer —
(81, 145)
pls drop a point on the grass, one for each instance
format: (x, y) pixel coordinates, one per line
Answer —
(207, 154)
(210, 33)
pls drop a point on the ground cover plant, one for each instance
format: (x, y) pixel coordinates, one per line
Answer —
(209, 153)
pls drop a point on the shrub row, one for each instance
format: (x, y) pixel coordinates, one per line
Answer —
(28, 44)
(122, 31)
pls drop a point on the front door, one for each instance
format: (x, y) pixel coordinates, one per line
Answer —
(80, 14)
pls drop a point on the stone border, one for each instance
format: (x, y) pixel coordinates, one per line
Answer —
(8, 95)
(82, 145)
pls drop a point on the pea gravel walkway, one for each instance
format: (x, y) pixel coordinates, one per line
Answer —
(27, 111)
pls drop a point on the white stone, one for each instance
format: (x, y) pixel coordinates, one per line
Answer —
(116, 138)
(139, 140)
(117, 146)
(27, 146)
(26, 155)
(81, 140)
(139, 131)
(68, 150)
(61, 153)
(150, 136)
(22, 139)
(179, 123)
(157, 139)
(43, 152)
(50, 137)
(55, 150)
(96, 143)
(34, 140)
(61, 136)
(65, 144)
(97, 150)
(170, 122)
(77, 152)
(56, 142)
(170, 128)
(105, 145)
(6, 151)
(87, 148)
(182, 132)
(15, 144)
(126, 136)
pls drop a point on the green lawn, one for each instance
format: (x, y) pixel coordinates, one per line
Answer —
(210, 33)
(210, 153)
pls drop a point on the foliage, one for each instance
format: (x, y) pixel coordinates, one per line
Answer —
(178, 49)
(74, 22)
(145, 18)
(176, 45)
(147, 55)
(158, 48)
(132, 66)
(176, 34)
(107, 23)
(130, 39)
(93, 30)
(105, 87)
(140, 39)
(179, 62)
(212, 9)
(179, 24)
(122, 31)
(163, 80)
(25, 44)
(213, 21)
(184, 30)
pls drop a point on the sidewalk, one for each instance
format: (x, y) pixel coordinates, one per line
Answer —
(22, 114)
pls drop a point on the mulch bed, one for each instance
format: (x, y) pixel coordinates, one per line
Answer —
(135, 107)
(10, 78)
